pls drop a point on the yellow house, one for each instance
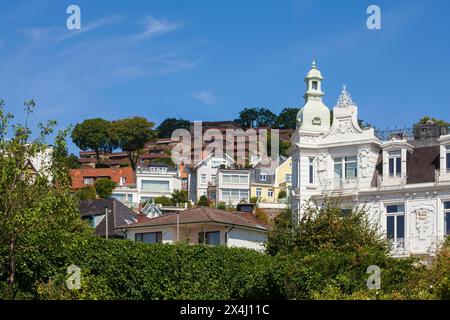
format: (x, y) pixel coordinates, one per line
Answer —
(267, 182)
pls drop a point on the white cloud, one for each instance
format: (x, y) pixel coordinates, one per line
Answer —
(206, 97)
(155, 27)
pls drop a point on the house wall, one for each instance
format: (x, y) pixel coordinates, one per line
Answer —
(245, 238)
(237, 237)
(168, 233)
(221, 185)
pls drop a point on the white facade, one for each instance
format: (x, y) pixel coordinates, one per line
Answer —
(236, 237)
(342, 162)
(205, 173)
(156, 181)
(232, 186)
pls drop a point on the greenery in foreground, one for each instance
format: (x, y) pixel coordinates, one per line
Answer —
(324, 256)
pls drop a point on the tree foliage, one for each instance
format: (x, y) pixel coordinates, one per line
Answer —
(35, 199)
(132, 134)
(104, 187)
(86, 193)
(94, 134)
(256, 118)
(203, 201)
(287, 119)
(179, 197)
(169, 125)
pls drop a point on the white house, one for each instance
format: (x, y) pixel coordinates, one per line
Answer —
(204, 173)
(200, 226)
(156, 180)
(402, 181)
(232, 186)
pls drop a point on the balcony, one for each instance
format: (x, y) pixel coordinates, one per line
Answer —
(392, 182)
(342, 186)
(442, 177)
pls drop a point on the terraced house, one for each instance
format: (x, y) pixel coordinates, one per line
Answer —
(402, 178)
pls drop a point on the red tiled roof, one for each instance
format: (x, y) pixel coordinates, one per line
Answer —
(201, 215)
(78, 175)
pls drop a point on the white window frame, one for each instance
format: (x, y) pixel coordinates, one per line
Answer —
(89, 181)
(262, 176)
(344, 161)
(397, 242)
(122, 181)
(394, 155)
(288, 177)
(270, 193)
(203, 178)
(258, 192)
(446, 212)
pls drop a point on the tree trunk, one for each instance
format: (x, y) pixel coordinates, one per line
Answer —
(11, 267)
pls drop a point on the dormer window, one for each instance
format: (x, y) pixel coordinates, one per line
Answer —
(262, 177)
(395, 163)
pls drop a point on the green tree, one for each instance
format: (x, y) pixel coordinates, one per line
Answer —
(426, 119)
(282, 194)
(73, 161)
(203, 201)
(266, 118)
(169, 125)
(131, 135)
(179, 196)
(287, 119)
(32, 202)
(248, 117)
(104, 187)
(164, 201)
(86, 193)
(94, 134)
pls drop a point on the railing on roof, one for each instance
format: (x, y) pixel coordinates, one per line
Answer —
(399, 133)
(417, 132)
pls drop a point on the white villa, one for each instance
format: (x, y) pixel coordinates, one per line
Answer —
(402, 181)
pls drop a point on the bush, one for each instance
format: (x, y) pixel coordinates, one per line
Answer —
(86, 193)
(221, 206)
(282, 194)
(118, 269)
(203, 202)
(104, 187)
(164, 201)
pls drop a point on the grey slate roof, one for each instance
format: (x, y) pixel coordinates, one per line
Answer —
(118, 215)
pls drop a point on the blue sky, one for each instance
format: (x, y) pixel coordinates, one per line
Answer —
(207, 60)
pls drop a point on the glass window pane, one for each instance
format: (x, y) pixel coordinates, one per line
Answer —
(390, 227)
(398, 164)
(400, 227)
(447, 224)
(448, 160)
(350, 159)
(447, 205)
(213, 238)
(350, 170)
(391, 166)
(338, 170)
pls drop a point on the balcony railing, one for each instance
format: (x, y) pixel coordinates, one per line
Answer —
(342, 186)
(442, 176)
(392, 182)
(397, 244)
